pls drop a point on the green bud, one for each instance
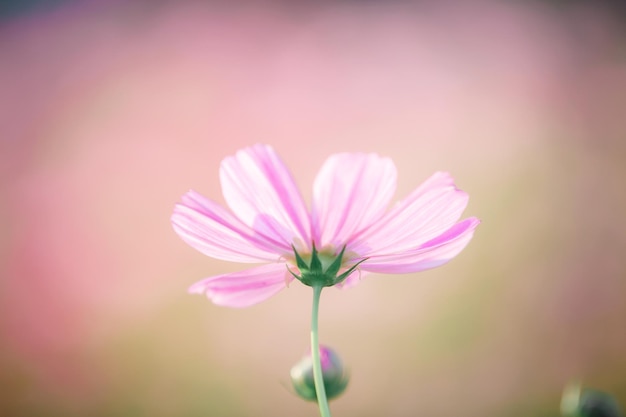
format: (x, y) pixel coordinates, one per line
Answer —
(335, 378)
(577, 402)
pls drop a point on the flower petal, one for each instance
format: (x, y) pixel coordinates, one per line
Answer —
(427, 212)
(431, 254)
(259, 189)
(350, 193)
(244, 288)
(209, 228)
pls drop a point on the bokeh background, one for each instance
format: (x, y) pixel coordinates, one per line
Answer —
(110, 111)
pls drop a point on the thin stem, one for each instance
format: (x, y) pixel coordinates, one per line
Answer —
(320, 390)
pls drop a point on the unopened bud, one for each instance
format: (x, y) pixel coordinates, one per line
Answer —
(334, 376)
(579, 402)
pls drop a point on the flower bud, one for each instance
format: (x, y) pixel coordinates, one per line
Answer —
(334, 376)
(577, 402)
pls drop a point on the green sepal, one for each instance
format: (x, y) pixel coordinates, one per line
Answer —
(334, 267)
(343, 276)
(298, 277)
(300, 263)
(313, 274)
(316, 264)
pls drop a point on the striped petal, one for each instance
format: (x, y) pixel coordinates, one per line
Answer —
(244, 288)
(429, 255)
(212, 230)
(351, 192)
(261, 192)
(430, 210)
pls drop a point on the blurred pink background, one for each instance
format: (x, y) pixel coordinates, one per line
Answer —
(109, 112)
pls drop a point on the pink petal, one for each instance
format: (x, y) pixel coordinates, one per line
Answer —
(350, 193)
(431, 254)
(245, 288)
(209, 228)
(261, 192)
(431, 209)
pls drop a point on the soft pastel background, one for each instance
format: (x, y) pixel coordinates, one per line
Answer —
(109, 111)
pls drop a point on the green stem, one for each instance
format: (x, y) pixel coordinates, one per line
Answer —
(320, 390)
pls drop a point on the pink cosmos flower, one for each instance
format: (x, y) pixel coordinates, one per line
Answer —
(268, 220)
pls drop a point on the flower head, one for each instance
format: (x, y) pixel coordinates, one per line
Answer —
(269, 223)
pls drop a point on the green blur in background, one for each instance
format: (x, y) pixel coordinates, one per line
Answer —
(110, 111)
